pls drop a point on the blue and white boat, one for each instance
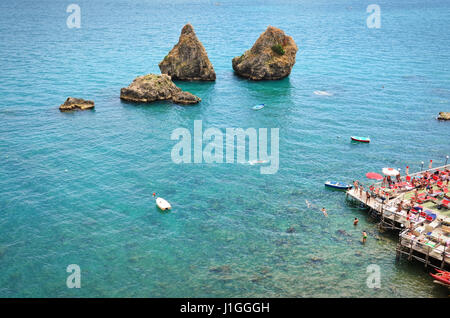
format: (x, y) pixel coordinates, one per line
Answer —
(338, 185)
(258, 107)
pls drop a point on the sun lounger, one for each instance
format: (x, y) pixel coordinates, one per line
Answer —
(446, 229)
(445, 203)
(426, 199)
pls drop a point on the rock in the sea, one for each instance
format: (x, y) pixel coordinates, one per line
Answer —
(343, 233)
(185, 98)
(188, 60)
(220, 269)
(291, 230)
(271, 57)
(444, 116)
(72, 103)
(153, 87)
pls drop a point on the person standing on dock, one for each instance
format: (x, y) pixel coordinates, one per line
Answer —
(400, 206)
(367, 197)
(364, 237)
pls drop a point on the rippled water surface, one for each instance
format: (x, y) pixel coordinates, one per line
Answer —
(76, 188)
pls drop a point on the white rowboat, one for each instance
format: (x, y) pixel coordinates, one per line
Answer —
(163, 204)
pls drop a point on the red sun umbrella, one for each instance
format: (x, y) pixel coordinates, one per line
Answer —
(374, 175)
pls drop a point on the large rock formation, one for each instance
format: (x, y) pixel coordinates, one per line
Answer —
(444, 116)
(188, 61)
(72, 103)
(271, 57)
(153, 87)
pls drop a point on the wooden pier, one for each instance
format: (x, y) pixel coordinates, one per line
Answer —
(436, 257)
(411, 229)
(384, 212)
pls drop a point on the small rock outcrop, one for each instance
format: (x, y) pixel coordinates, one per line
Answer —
(271, 57)
(72, 103)
(188, 60)
(444, 116)
(220, 269)
(153, 87)
(185, 98)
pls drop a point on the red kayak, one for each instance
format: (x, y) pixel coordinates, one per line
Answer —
(442, 276)
(443, 272)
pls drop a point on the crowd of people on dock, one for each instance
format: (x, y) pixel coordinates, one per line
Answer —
(390, 188)
(435, 183)
(423, 187)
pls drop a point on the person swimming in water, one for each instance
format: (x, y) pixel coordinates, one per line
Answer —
(355, 222)
(324, 211)
(364, 237)
(308, 204)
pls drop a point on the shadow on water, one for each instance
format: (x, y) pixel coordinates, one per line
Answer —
(200, 88)
(405, 269)
(142, 104)
(76, 112)
(355, 144)
(161, 212)
(275, 90)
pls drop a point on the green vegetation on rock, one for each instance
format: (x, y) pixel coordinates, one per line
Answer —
(277, 48)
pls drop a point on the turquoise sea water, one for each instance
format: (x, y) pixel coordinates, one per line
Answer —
(77, 188)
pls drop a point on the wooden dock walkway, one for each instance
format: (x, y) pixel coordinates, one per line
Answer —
(433, 255)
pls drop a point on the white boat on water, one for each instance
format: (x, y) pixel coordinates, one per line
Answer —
(163, 204)
(323, 93)
(254, 162)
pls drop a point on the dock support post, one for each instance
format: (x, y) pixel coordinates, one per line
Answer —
(393, 222)
(411, 250)
(443, 258)
(428, 256)
(399, 248)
